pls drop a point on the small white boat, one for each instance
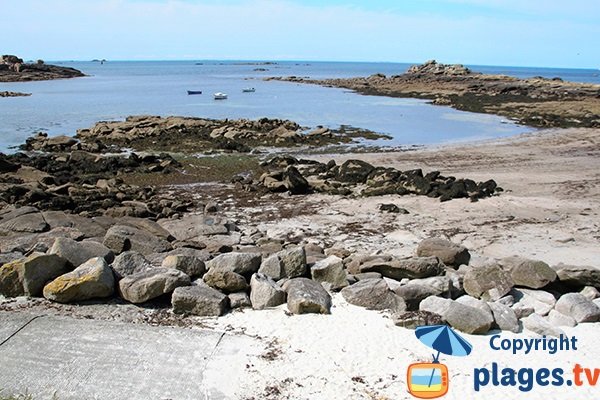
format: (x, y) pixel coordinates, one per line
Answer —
(249, 90)
(220, 96)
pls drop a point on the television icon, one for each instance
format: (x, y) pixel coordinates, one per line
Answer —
(427, 380)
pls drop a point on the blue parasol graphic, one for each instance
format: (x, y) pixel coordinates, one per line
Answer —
(443, 339)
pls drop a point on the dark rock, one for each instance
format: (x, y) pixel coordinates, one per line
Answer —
(199, 300)
(392, 208)
(414, 267)
(190, 265)
(120, 238)
(578, 275)
(294, 181)
(354, 171)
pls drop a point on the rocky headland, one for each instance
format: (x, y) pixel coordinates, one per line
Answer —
(537, 101)
(14, 69)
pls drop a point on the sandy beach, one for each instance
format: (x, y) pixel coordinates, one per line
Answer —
(547, 212)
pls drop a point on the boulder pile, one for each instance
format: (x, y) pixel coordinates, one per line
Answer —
(358, 177)
(72, 260)
(82, 182)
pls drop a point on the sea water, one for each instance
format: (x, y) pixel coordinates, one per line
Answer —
(116, 89)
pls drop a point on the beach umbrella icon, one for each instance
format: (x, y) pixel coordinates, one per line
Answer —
(443, 339)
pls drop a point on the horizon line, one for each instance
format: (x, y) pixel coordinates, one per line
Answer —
(311, 61)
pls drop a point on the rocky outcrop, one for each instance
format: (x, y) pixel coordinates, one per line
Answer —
(14, 69)
(535, 101)
(13, 94)
(190, 135)
(80, 181)
(432, 67)
(361, 178)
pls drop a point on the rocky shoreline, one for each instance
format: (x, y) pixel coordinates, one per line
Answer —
(75, 228)
(192, 135)
(14, 69)
(537, 101)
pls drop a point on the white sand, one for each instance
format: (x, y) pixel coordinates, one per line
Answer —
(549, 212)
(319, 355)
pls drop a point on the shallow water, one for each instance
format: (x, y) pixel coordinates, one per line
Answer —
(115, 90)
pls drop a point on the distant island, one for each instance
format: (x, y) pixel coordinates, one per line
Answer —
(13, 69)
(537, 101)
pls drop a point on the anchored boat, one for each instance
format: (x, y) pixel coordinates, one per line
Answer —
(190, 92)
(220, 96)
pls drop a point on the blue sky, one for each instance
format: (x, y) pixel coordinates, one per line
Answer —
(546, 33)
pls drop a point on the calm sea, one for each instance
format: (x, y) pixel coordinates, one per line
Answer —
(115, 90)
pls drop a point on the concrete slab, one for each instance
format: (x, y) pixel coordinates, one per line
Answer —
(91, 359)
(11, 323)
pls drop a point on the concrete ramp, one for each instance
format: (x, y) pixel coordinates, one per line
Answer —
(90, 359)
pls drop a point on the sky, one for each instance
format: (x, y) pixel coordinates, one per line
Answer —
(539, 33)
